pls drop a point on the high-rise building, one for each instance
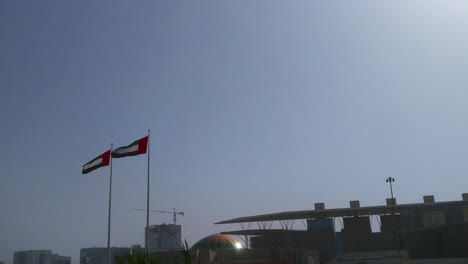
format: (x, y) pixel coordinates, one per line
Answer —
(33, 257)
(164, 238)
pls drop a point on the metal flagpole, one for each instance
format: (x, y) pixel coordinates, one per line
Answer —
(147, 197)
(110, 203)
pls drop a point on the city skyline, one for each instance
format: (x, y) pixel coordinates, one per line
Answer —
(254, 107)
(39, 257)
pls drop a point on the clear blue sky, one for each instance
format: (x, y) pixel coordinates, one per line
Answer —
(254, 107)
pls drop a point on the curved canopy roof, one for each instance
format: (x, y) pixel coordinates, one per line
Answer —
(342, 212)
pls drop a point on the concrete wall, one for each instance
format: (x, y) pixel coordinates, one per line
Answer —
(404, 261)
(321, 224)
(448, 241)
(368, 242)
(372, 257)
(356, 224)
(432, 219)
(389, 223)
(436, 261)
(465, 213)
(320, 240)
(257, 256)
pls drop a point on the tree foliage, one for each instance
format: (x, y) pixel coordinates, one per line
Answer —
(139, 256)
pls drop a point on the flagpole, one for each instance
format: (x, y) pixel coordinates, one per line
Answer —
(147, 198)
(109, 217)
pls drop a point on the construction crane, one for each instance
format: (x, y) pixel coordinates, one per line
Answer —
(175, 213)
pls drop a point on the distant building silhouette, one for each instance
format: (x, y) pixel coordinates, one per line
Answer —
(39, 257)
(164, 238)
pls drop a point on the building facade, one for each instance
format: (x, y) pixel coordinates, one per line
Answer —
(164, 238)
(424, 230)
(33, 257)
(39, 257)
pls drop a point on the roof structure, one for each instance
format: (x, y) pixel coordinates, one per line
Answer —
(258, 232)
(216, 241)
(343, 212)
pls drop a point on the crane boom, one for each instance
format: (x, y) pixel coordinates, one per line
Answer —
(174, 212)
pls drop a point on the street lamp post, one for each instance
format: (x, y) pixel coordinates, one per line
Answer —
(390, 180)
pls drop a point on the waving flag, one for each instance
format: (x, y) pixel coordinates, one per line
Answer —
(135, 148)
(98, 162)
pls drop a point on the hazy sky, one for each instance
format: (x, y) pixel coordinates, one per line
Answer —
(254, 107)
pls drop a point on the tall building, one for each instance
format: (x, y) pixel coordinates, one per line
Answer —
(99, 255)
(164, 238)
(33, 257)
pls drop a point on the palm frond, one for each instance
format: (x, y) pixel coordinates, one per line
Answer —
(187, 258)
(135, 256)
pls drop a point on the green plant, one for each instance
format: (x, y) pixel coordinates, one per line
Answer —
(135, 256)
(187, 258)
(139, 256)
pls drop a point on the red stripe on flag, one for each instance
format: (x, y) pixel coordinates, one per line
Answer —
(106, 158)
(142, 145)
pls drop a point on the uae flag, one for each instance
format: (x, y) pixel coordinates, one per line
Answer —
(98, 162)
(136, 148)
